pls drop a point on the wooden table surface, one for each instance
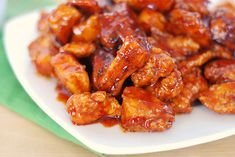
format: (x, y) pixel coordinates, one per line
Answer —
(21, 138)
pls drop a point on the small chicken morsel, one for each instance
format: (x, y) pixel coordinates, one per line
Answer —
(79, 49)
(160, 5)
(88, 107)
(220, 98)
(142, 111)
(130, 57)
(194, 84)
(41, 51)
(179, 47)
(200, 6)
(223, 25)
(219, 71)
(149, 18)
(87, 31)
(198, 60)
(91, 6)
(71, 74)
(168, 87)
(61, 22)
(182, 22)
(160, 64)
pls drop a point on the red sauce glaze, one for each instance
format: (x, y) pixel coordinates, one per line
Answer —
(63, 94)
(110, 122)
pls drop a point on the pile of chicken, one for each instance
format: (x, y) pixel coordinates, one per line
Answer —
(138, 61)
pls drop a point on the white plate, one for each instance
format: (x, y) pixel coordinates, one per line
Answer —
(198, 127)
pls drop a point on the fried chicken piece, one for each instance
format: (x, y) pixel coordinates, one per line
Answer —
(87, 31)
(101, 60)
(223, 25)
(200, 6)
(178, 46)
(194, 84)
(42, 25)
(117, 24)
(71, 73)
(160, 64)
(142, 111)
(79, 49)
(182, 22)
(149, 18)
(91, 6)
(130, 57)
(220, 98)
(168, 87)
(61, 22)
(198, 60)
(160, 5)
(41, 51)
(88, 107)
(220, 71)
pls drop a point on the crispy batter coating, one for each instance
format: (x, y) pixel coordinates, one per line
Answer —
(88, 107)
(79, 49)
(220, 71)
(130, 57)
(168, 87)
(198, 60)
(161, 5)
(71, 73)
(182, 22)
(41, 51)
(194, 84)
(199, 6)
(91, 6)
(61, 22)
(178, 46)
(42, 25)
(223, 25)
(149, 18)
(87, 31)
(160, 64)
(220, 98)
(142, 111)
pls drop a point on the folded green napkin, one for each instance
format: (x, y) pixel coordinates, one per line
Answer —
(12, 95)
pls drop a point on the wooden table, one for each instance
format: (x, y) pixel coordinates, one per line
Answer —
(22, 138)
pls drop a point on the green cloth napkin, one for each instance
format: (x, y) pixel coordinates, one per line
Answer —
(12, 95)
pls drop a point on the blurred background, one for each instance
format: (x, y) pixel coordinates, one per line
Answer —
(10, 8)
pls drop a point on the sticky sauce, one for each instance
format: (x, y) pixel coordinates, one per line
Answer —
(63, 94)
(110, 122)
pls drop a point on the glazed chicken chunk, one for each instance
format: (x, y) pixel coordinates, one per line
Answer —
(182, 22)
(179, 47)
(160, 64)
(168, 87)
(88, 107)
(220, 98)
(61, 22)
(223, 25)
(41, 50)
(130, 57)
(220, 71)
(198, 60)
(194, 84)
(142, 111)
(71, 74)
